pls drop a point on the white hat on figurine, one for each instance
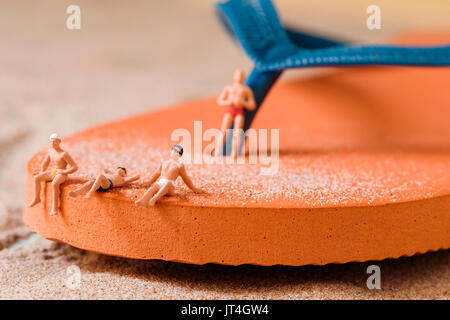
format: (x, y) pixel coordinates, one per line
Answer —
(55, 136)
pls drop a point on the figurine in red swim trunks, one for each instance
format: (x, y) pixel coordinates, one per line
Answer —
(235, 97)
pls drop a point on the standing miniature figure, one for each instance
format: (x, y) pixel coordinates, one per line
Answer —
(105, 181)
(236, 97)
(62, 165)
(168, 171)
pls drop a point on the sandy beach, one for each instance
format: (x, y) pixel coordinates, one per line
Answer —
(128, 59)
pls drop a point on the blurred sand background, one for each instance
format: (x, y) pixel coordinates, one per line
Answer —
(134, 56)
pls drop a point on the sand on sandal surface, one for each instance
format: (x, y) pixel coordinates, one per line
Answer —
(128, 59)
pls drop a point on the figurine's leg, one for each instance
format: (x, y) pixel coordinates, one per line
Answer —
(226, 124)
(100, 181)
(161, 193)
(37, 180)
(84, 188)
(56, 184)
(237, 136)
(171, 191)
(147, 195)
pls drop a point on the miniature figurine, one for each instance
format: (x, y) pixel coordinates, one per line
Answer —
(62, 165)
(236, 97)
(104, 182)
(168, 171)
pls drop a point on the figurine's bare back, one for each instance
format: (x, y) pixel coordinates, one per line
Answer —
(163, 180)
(170, 169)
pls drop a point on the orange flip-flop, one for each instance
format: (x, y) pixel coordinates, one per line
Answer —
(364, 174)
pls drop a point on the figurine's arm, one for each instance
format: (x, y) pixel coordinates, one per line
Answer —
(156, 174)
(249, 101)
(223, 98)
(131, 179)
(72, 165)
(188, 180)
(45, 163)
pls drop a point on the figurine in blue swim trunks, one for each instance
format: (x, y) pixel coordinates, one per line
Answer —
(105, 182)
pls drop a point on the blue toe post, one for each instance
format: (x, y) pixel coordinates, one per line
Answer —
(254, 24)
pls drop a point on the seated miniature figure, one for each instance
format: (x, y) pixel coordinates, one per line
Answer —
(168, 171)
(104, 182)
(236, 97)
(62, 165)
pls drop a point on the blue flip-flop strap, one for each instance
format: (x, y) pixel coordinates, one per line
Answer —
(361, 55)
(255, 25)
(309, 41)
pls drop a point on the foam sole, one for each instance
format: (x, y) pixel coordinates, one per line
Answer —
(364, 174)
